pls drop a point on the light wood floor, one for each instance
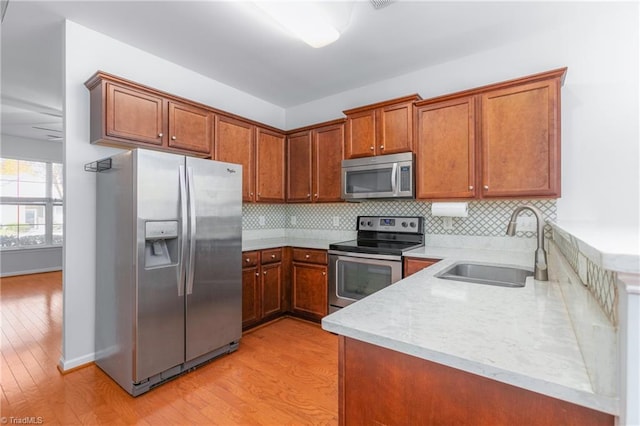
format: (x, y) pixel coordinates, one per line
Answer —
(283, 373)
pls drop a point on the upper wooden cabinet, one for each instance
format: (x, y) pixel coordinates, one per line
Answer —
(235, 140)
(270, 166)
(125, 114)
(315, 162)
(381, 128)
(497, 141)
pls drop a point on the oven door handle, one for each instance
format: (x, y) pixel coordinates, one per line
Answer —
(366, 255)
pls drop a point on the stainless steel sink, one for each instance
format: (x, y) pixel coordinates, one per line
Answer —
(482, 273)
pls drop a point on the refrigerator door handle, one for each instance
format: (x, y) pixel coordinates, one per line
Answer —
(183, 235)
(192, 231)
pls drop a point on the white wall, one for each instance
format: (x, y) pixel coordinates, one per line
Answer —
(31, 149)
(86, 52)
(598, 42)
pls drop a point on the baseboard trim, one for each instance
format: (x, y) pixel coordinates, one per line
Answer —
(29, 272)
(66, 367)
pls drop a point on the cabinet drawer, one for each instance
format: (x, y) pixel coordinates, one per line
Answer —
(271, 256)
(310, 256)
(249, 258)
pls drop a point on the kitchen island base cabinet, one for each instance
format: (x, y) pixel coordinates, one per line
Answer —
(382, 386)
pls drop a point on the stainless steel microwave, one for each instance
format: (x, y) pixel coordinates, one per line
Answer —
(384, 176)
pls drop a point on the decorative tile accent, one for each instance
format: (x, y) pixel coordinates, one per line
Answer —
(600, 282)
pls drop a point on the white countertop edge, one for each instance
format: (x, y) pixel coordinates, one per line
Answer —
(596, 243)
(586, 399)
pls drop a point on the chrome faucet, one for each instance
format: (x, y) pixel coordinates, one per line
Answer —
(540, 268)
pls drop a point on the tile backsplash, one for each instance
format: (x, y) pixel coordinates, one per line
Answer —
(486, 218)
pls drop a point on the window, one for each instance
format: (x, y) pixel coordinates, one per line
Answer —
(30, 204)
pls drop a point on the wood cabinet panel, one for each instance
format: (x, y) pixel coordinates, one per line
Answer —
(234, 143)
(361, 135)
(250, 258)
(445, 149)
(134, 115)
(190, 128)
(520, 140)
(417, 391)
(396, 129)
(328, 145)
(309, 289)
(251, 296)
(299, 169)
(415, 264)
(270, 166)
(271, 255)
(309, 255)
(271, 289)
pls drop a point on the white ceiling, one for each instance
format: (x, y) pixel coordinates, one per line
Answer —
(225, 41)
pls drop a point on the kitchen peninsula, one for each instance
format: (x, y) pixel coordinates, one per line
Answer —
(447, 352)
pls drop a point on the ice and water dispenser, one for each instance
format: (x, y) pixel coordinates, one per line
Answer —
(161, 243)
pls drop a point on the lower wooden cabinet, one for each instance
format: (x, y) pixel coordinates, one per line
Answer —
(262, 286)
(421, 392)
(309, 283)
(415, 264)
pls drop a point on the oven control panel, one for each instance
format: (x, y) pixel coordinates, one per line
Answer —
(408, 224)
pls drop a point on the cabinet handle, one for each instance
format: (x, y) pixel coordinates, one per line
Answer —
(160, 135)
(273, 256)
(306, 256)
(371, 148)
(173, 138)
(486, 187)
(470, 187)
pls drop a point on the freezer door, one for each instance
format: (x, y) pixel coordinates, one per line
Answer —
(159, 325)
(214, 275)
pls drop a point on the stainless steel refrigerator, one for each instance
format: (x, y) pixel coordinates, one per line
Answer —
(169, 279)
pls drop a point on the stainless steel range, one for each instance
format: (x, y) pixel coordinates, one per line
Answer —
(360, 267)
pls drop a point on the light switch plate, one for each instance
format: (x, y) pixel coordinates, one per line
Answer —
(336, 221)
(294, 220)
(447, 223)
(261, 220)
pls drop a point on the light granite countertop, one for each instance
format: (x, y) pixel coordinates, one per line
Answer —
(519, 336)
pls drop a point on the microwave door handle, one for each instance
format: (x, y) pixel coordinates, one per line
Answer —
(394, 179)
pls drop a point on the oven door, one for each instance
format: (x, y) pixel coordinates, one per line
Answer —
(353, 276)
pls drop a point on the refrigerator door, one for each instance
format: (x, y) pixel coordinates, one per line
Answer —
(214, 275)
(159, 316)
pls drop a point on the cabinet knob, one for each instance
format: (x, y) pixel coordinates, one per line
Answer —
(381, 146)
(371, 148)
(160, 135)
(470, 187)
(324, 273)
(247, 260)
(257, 274)
(273, 256)
(306, 256)
(486, 187)
(173, 138)
(264, 273)
(315, 195)
(251, 194)
(308, 195)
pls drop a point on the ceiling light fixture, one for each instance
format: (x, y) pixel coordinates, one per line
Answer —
(303, 20)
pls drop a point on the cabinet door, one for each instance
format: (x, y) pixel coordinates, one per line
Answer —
(234, 143)
(271, 289)
(446, 149)
(395, 129)
(270, 162)
(190, 128)
(250, 296)
(521, 141)
(361, 134)
(310, 289)
(413, 265)
(328, 144)
(299, 167)
(134, 115)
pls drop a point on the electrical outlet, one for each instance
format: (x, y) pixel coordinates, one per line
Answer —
(336, 221)
(261, 220)
(294, 220)
(447, 223)
(526, 224)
